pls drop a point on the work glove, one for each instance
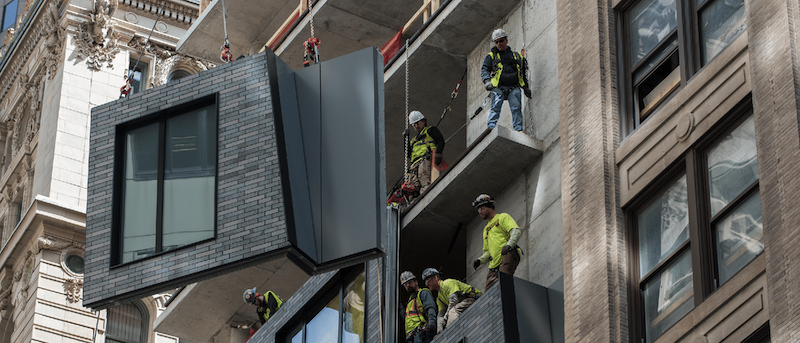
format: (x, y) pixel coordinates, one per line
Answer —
(506, 249)
(431, 328)
(476, 264)
(405, 132)
(437, 158)
(488, 86)
(527, 92)
(476, 296)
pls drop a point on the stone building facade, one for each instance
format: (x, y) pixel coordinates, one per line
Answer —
(59, 59)
(662, 106)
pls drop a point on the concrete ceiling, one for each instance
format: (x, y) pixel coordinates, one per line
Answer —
(206, 310)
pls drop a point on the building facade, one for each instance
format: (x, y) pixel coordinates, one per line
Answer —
(59, 59)
(678, 122)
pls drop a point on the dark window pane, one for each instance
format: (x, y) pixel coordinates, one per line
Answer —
(74, 263)
(353, 319)
(740, 237)
(178, 74)
(124, 324)
(668, 296)
(720, 23)
(192, 144)
(189, 185)
(140, 193)
(650, 22)
(10, 15)
(324, 328)
(732, 165)
(663, 226)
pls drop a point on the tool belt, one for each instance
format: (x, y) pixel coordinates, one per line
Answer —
(418, 329)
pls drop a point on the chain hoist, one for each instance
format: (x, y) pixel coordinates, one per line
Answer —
(311, 46)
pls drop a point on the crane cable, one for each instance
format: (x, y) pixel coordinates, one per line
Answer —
(124, 90)
(225, 54)
(405, 155)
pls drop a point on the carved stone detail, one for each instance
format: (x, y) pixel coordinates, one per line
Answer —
(166, 66)
(51, 243)
(95, 40)
(54, 45)
(73, 289)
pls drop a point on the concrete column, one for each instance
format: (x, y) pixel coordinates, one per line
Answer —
(594, 243)
(771, 29)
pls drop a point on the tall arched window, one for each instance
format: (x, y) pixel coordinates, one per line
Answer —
(127, 323)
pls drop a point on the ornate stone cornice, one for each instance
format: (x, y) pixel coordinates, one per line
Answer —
(55, 244)
(173, 11)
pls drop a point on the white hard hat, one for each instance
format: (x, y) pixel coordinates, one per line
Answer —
(407, 276)
(414, 117)
(499, 33)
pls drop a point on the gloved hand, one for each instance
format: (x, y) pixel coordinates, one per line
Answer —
(488, 86)
(405, 132)
(437, 158)
(527, 92)
(476, 296)
(431, 328)
(506, 249)
(476, 264)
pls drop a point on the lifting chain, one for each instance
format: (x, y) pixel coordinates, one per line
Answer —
(311, 46)
(225, 54)
(405, 154)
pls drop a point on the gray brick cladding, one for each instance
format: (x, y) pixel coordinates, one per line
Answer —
(480, 323)
(250, 213)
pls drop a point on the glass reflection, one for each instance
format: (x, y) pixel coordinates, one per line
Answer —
(140, 193)
(189, 178)
(353, 319)
(650, 22)
(324, 328)
(668, 296)
(720, 23)
(732, 165)
(663, 226)
(740, 237)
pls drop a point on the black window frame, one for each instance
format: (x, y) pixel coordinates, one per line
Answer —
(688, 52)
(161, 118)
(701, 242)
(335, 287)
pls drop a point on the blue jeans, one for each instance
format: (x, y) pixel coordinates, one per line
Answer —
(514, 102)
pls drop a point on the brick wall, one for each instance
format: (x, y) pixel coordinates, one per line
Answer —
(772, 41)
(481, 322)
(250, 214)
(594, 242)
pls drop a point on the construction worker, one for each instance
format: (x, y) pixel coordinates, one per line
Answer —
(420, 149)
(266, 305)
(420, 311)
(503, 74)
(454, 297)
(499, 241)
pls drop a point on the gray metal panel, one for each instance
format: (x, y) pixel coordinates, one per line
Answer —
(308, 89)
(288, 114)
(352, 190)
(533, 317)
(555, 295)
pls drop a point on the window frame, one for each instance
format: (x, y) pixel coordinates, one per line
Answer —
(337, 286)
(121, 130)
(145, 325)
(3, 23)
(701, 241)
(688, 50)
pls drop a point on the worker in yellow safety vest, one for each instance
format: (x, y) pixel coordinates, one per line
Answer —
(454, 297)
(504, 74)
(266, 305)
(428, 143)
(499, 241)
(420, 311)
